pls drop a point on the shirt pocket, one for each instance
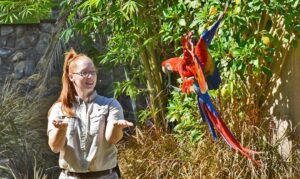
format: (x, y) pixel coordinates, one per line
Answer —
(97, 120)
(71, 126)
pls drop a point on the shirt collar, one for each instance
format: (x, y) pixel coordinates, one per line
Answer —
(91, 98)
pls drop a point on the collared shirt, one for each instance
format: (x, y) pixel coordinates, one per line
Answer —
(86, 148)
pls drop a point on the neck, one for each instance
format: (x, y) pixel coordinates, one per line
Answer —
(84, 95)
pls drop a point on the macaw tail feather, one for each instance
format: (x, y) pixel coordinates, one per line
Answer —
(210, 125)
(212, 115)
(221, 127)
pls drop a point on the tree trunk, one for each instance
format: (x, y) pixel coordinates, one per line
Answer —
(155, 87)
(45, 64)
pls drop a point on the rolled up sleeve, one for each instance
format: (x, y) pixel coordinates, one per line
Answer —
(55, 113)
(115, 111)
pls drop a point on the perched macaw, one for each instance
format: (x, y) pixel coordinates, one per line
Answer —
(200, 73)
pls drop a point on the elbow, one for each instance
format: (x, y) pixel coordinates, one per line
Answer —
(114, 139)
(54, 148)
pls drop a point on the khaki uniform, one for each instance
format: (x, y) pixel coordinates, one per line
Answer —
(86, 148)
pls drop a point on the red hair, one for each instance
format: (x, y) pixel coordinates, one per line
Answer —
(68, 93)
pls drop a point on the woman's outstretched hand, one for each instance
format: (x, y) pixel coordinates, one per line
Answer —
(122, 123)
(60, 124)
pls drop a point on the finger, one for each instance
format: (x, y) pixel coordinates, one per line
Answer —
(59, 123)
(130, 124)
(124, 124)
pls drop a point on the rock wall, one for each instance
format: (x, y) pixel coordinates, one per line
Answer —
(21, 47)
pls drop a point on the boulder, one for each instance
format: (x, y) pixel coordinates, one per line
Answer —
(11, 41)
(29, 67)
(18, 56)
(20, 31)
(19, 70)
(5, 52)
(32, 39)
(46, 27)
(42, 43)
(3, 41)
(21, 43)
(5, 30)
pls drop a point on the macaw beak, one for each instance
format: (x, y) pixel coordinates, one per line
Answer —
(164, 69)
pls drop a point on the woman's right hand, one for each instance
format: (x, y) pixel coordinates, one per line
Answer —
(57, 136)
(60, 124)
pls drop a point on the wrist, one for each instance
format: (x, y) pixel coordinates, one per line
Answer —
(62, 129)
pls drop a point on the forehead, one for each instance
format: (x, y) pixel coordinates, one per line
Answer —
(82, 63)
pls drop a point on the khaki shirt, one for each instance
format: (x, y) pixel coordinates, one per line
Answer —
(86, 148)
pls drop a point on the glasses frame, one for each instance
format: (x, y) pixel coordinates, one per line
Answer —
(86, 74)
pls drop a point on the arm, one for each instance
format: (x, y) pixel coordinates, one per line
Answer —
(57, 139)
(57, 136)
(56, 128)
(114, 130)
(115, 123)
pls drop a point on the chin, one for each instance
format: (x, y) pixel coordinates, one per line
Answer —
(90, 88)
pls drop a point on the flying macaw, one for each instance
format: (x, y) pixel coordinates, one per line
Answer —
(200, 73)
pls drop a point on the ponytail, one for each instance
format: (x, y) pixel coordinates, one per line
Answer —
(68, 93)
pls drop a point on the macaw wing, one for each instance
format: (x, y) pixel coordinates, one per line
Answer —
(191, 63)
(210, 112)
(204, 58)
(214, 80)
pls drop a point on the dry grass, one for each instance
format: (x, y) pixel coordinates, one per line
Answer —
(24, 152)
(166, 157)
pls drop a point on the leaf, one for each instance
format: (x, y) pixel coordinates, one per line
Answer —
(267, 71)
(296, 4)
(255, 62)
(236, 52)
(181, 22)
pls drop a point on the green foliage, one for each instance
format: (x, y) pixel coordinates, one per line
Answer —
(24, 11)
(249, 41)
(183, 111)
(127, 87)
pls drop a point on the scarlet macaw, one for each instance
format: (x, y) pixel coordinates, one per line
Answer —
(200, 73)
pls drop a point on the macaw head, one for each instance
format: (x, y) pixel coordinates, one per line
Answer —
(171, 65)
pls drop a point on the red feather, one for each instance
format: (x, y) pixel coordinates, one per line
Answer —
(221, 127)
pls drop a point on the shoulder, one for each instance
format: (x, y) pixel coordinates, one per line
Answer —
(105, 101)
(55, 108)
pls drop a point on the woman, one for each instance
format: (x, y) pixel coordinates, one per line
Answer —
(84, 126)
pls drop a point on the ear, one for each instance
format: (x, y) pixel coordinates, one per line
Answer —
(71, 77)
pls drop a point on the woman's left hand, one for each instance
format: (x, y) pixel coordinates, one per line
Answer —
(122, 123)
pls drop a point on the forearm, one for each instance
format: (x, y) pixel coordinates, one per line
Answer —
(57, 139)
(113, 133)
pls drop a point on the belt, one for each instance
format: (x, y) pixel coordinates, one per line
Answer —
(90, 174)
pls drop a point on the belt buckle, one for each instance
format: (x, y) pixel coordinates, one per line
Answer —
(110, 171)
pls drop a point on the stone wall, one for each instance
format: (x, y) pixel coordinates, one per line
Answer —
(284, 107)
(21, 47)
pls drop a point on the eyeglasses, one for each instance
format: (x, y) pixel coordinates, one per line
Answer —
(85, 74)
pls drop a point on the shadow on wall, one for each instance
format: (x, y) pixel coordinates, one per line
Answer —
(284, 107)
